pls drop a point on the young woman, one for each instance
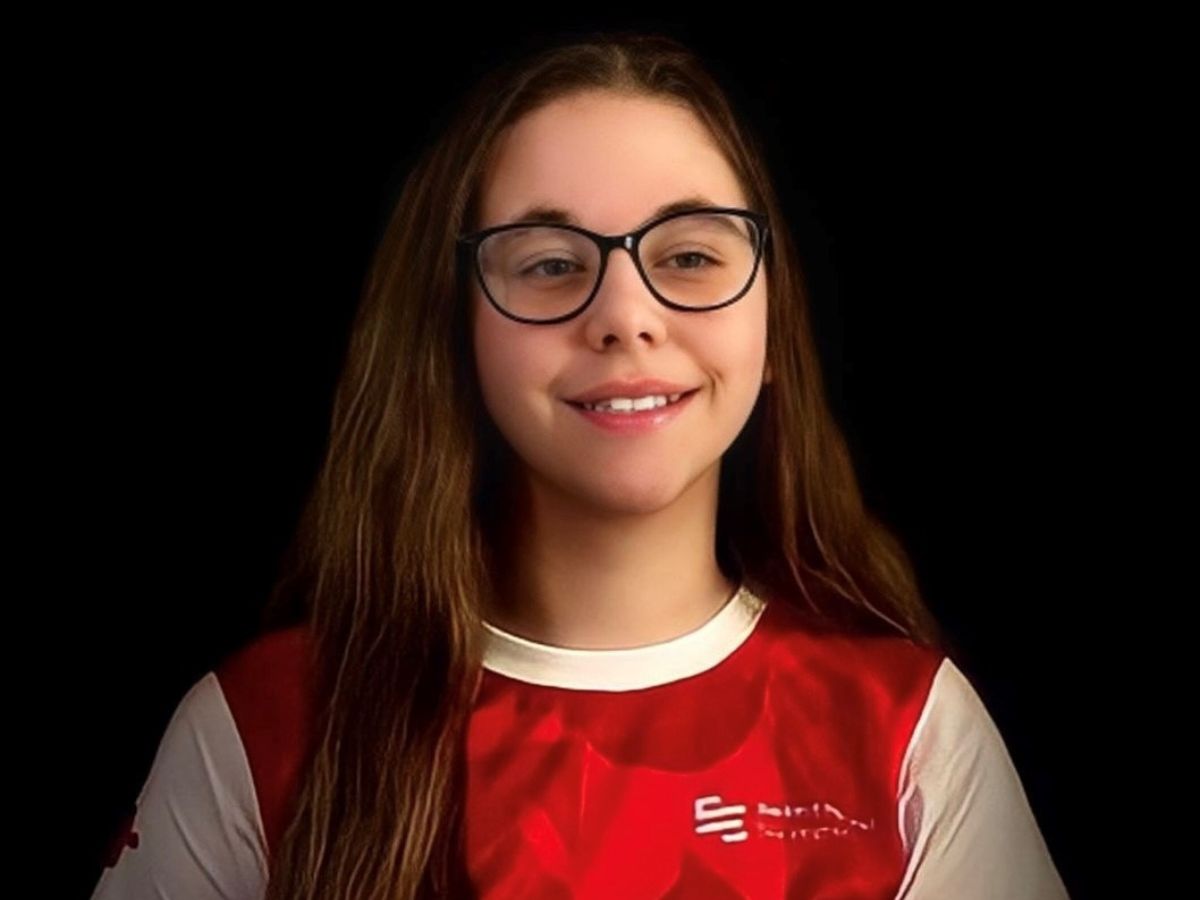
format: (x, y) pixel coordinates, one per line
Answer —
(591, 603)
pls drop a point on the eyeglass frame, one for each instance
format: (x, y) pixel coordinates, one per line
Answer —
(606, 243)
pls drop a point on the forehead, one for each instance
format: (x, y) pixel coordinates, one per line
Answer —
(607, 160)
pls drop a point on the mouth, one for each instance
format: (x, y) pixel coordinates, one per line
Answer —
(670, 402)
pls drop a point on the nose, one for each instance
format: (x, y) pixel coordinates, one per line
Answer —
(624, 308)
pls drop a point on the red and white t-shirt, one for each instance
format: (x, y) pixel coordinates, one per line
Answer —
(749, 758)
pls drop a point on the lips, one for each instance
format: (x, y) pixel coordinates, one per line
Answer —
(632, 423)
(683, 395)
(632, 388)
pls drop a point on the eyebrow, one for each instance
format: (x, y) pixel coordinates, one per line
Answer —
(553, 215)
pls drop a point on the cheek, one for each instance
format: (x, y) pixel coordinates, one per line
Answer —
(493, 360)
(739, 341)
(513, 363)
(754, 338)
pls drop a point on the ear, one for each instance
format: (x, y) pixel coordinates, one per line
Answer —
(767, 376)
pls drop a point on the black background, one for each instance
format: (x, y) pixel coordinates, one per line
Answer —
(214, 195)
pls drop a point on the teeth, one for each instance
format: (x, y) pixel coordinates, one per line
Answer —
(632, 404)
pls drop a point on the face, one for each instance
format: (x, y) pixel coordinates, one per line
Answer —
(611, 161)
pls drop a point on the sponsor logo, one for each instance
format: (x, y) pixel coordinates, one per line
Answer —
(727, 821)
(816, 821)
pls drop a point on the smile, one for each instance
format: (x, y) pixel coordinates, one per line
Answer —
(625, 415)
(630, 404)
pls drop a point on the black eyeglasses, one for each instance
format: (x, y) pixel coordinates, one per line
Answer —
(547, 273)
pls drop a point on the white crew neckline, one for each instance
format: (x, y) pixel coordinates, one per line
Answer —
(626, 668)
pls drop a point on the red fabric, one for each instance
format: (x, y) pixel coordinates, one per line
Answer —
(586, 794)
(268, 688)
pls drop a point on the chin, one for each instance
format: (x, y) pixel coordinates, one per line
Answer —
(635, 502)
(636, 496)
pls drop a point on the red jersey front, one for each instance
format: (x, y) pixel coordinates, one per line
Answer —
(749, 758)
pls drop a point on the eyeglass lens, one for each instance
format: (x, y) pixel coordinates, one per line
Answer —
(695, 260)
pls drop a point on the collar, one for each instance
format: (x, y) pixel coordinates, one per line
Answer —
(627, 668)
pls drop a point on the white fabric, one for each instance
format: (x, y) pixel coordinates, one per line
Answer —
(200, 836)
(631, 668)
(967, 826)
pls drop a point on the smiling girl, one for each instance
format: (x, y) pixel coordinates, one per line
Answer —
(592, 605)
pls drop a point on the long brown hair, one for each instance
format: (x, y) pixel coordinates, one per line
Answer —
(392, 560)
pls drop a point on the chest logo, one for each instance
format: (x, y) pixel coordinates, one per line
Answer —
(816, 821)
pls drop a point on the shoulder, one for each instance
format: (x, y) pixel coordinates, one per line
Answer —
(279, 658)
(865, 693)
(222, 784)
(956, 743)
(954, 715)
(890, 672)
(196, 819)
(267, 686)
(965, 817)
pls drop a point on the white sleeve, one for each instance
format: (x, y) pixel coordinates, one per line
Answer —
(199, 833)
(965, 821)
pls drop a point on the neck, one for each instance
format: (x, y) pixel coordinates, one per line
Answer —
(575, 577)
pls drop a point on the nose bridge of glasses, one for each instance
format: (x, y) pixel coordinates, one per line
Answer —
(612, 246)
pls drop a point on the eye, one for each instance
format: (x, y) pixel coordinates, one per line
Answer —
(553, 263)
(694, 255)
